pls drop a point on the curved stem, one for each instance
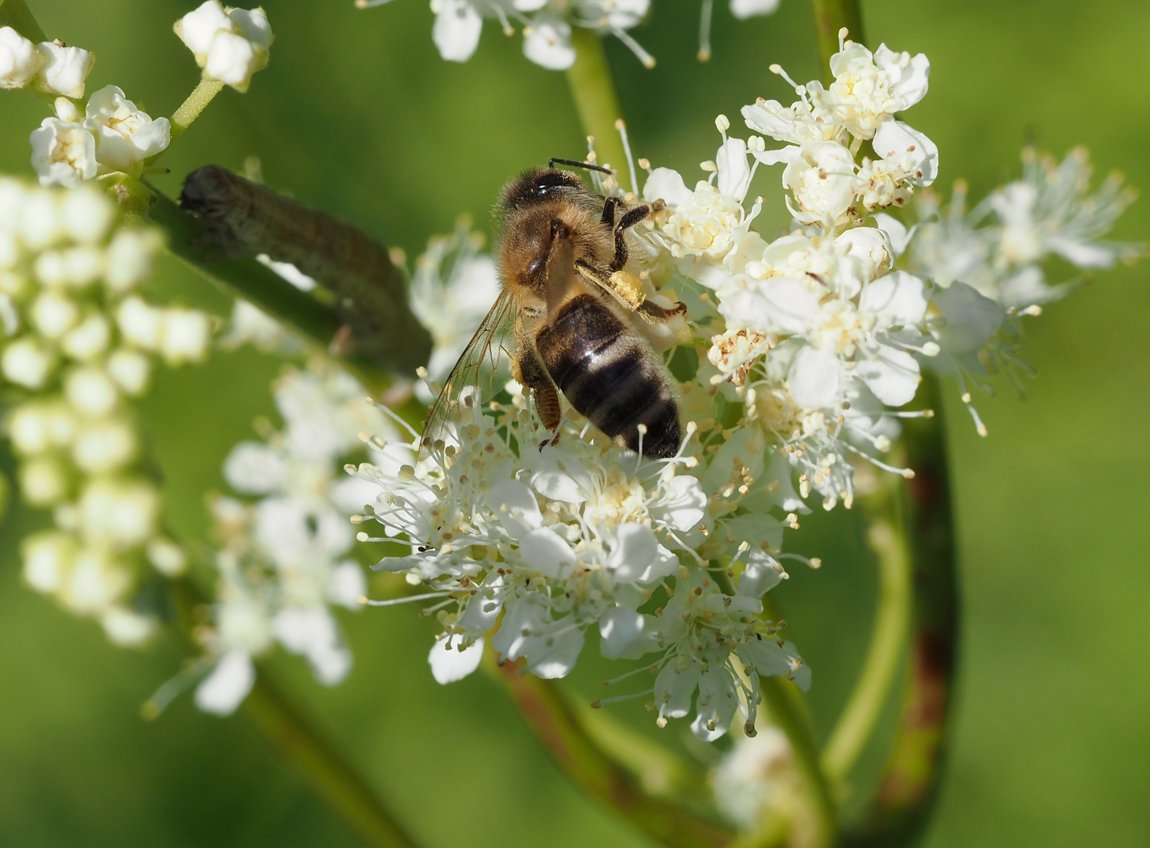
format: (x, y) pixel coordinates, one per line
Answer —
(593, 91)
(830, 17)
(300, 742)
(909, 786)
(888, 536)
(598, 772)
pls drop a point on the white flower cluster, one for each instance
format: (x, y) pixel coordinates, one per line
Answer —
(229, 44)
(452, 286)
(815, 333)
(533, 547)
(810, 351)
(822, 332)
(547, 25)
(999, 246)
(284, 558)
(50, 66)
(988, 264)
(78, 343)
(109, 134)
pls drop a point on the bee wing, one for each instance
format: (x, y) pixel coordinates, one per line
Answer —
(485, 346)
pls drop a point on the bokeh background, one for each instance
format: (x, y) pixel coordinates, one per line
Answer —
(359, 116)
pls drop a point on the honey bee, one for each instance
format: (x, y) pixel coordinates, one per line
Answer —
(581, 323)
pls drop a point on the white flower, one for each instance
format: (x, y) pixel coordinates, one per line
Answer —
(185, 336)
(125, 136)
(870, 88)
(820, 177)
(456, 29)
(547, 42)
(750, 8)
(1050, 210)
(534, 551)
(229, 683)
(65, 68)
(63, 152)
(19, 59)
(546, 25)
(70, 372)
(755, 778)
(229, 44)
(452, 287)
(710, 222)
(281, 562)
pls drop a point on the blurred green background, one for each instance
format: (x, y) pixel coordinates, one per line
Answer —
(359, 116)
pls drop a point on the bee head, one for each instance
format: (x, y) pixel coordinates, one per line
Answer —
(538, 185)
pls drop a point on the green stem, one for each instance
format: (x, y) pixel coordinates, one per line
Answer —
(598, 772)
(16, 14)
(909, 787)
(593, 91)
(300, 742)
(830, 17)
(203, 94)
(886, 514)
(315, 322)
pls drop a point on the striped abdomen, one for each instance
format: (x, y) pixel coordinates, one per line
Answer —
(610, 375)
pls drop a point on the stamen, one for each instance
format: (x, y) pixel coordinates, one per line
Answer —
(616, 699)
(704, 54)
(170, 689)
(621, 128)
(905, 473)
(646, 669)
(643, 56)
(391, 602)
(777, 70)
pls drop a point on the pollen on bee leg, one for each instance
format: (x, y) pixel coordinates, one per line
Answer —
(629, 287)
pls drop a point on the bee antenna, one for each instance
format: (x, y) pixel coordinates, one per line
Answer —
(573, 163)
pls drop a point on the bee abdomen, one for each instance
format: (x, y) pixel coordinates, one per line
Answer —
(608, 375)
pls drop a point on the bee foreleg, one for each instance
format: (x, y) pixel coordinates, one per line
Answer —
(608, 218)
(630, 218)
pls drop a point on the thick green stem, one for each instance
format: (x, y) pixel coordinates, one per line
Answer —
(301, 743)
(596, 771)
(594, 94)
(886, 515)
(909, 787)
(196, 102)
(16, 14)
(830, 17)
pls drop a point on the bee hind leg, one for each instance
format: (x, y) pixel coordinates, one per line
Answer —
(529, 371)
(550, 411)
(662, 313)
